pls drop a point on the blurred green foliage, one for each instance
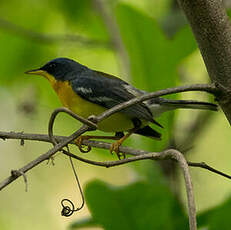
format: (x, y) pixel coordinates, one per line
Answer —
(217, 217)
(153, 206)
(154, 58)
(147, 203)
(85, 18)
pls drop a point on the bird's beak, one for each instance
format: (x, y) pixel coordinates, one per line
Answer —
(36, 72)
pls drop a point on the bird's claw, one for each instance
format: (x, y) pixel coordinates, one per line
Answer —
(115, 148)
(79, 142)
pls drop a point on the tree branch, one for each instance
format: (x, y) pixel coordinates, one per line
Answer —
(87, 122)
(88, 125)
(196, 87)
(43, 157)
(212, 30)
(97, 144)
(170, 153)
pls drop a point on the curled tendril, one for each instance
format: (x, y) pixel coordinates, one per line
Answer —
(69, 208)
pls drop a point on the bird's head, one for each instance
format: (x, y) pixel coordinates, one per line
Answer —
(59, 69)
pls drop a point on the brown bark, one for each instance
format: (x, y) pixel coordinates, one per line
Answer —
(212, 29)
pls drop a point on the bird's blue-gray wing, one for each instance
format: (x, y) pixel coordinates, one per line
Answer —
(109, 91)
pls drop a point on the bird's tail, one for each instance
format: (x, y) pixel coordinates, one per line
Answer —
(189, 104)
(162, 105)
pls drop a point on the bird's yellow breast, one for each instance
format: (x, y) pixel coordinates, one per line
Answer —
(115, 123)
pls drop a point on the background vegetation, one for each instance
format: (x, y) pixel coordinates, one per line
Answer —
(152, 47)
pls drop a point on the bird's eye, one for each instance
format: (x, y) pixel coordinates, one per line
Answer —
(52, 65)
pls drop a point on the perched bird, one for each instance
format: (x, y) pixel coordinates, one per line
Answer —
(89, 92)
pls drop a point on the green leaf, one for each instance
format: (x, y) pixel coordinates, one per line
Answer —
(216, 218)
(84, 223)
(137, 206)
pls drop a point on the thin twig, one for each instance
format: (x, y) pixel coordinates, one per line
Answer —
(91, 125)
(170, 153)
(211, 169)
(69, 208)
(98, 144)
(44, 156)
(196, 87)
(174, 154)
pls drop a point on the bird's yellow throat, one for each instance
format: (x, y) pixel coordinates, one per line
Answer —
(84, 108)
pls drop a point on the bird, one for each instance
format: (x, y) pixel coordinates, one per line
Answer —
(89, 92)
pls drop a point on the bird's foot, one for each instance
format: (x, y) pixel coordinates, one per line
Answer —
(79, 142)
(115, 148)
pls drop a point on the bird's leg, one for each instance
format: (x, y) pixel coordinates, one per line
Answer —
(79, 141)
(115, 146)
